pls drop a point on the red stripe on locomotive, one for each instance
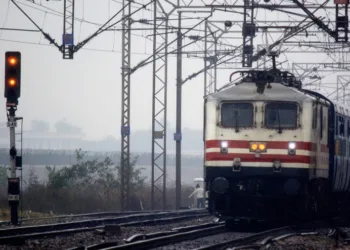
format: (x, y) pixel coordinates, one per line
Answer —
(270, 145)
(214, 156)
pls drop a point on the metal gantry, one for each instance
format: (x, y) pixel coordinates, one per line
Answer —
(248, 33)
(68, 30)
(159, 105)
(311, 74)
(125, 114)
(342, 20)
(212, 34)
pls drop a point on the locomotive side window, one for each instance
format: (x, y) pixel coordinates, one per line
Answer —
(342, 127)
(314, 117)
(237, 115)
(281, 115)
(321, 122)
(337, 125)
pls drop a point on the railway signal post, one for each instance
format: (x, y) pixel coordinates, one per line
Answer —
(12, 93)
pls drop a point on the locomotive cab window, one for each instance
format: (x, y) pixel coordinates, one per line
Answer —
(235, 115)
(279, 115)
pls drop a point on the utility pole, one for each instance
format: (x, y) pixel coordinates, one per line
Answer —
(125, 115)
(248, 33)
(178, 135)
(12, 92)
(68, 30)
(159, 106)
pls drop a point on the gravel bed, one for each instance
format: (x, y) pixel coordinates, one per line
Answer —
(316, 242)
(205, 241)
(90, 238)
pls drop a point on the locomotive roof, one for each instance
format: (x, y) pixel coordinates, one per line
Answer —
(248, 91)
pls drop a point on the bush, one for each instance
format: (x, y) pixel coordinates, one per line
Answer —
(88, 186)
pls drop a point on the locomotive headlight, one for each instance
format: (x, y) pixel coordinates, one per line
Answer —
(224, 147)
(292, 148)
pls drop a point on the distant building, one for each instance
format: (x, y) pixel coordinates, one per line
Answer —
(41, 140)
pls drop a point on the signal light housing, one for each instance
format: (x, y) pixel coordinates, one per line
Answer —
(12, 76)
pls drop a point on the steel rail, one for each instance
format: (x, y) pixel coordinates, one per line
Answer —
(135, 240)
(249, 239)
(95, 222)
(277, 233)
(67, 216)
(169, 239)
(96, 214)
(21, 238)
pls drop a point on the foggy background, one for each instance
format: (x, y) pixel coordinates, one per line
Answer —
(70, 104)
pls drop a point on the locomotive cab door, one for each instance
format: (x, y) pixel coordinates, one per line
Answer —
(319, 126)
(315, 135)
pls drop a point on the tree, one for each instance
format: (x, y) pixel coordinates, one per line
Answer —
(90, 184)
(33, 187)
(3, 176)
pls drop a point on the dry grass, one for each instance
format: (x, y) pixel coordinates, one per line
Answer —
(5, 214)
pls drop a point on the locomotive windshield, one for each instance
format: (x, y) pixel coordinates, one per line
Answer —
(236, 115)
(281, 115)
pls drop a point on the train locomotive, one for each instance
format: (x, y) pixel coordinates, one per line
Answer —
(274, 149)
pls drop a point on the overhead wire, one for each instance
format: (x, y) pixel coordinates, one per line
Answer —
(60, 14)
(83, 21)
(6, 16)
(146, 62)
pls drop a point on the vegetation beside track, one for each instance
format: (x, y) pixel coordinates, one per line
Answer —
(85, 187)
(26, 214)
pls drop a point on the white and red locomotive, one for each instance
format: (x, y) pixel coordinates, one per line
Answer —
(271, 146)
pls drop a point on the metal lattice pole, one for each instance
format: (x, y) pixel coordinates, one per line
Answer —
(209, 59)
(159, 108)
(248, 34)
(206, 92)
(178, 134)
(125, 119)
(68, 29)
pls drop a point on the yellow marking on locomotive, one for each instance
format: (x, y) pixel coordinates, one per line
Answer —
(257, 146)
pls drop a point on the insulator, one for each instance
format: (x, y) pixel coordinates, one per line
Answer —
(143, 21)
(194, 37)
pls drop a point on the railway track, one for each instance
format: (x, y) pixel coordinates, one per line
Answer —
(18, 235)
(77, 216)
(252, 240)
(264, 238)
(147, 241)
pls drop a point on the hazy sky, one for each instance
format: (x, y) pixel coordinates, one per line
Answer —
(86, 91)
